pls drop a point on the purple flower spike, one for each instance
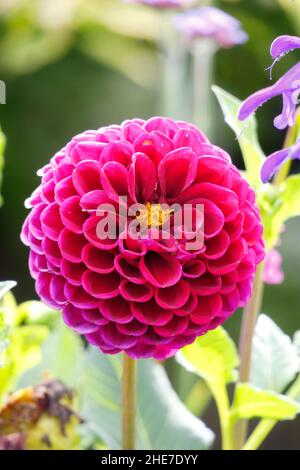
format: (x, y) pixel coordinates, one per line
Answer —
(214, 23)
(284, 44)
(274, 161)
(289, 87)
(163, 3)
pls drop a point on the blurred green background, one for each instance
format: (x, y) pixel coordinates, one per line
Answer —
(70, 65)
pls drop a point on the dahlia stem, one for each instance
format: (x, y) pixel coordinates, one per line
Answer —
(128, 402)
(245, 346)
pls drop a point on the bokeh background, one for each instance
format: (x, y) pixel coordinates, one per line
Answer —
(70, 65)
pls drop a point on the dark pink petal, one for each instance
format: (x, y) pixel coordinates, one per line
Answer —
(115, 339)
(193, 268)
(217, 246)
(154, 144)
(57, 285)
(64, 189)
(92, 230)
(97, 260)
(207, 308)
(133, 328)
(86, 177)
(77, 296)
(72, 271)
(72, 214)
(188, 138)
(174, 327)
(93, 315)
(71, 245)
(73, 318)
(142, 178)
(101, 286)
(230, 261)
(173, 297)
(119, 152)
(151, 314)
(88, 150)
(117, 310)
(160, 270)
(114, 178)
(177, 171)
(51, 222)
(135, 292)
(128, 268)
(206, 284)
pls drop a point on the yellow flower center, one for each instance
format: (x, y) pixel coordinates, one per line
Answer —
(153, 215)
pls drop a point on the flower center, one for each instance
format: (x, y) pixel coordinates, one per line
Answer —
(154, 215)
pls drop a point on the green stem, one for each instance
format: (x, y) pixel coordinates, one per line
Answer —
(220, 395)
(265, 426)
(245, 346)
(128, 402)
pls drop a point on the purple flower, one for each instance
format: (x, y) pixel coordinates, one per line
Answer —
(289, 87)
(213, 23)
(274, 161)
(164, 3)
(284, 44)
(273, 273)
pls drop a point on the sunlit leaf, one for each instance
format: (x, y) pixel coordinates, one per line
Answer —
(275, 362)
(212, 356)
(163, 422)
(5, 287)
(251, 402)
(246, 133)
(61, 358)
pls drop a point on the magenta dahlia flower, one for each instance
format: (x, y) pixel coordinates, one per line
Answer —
(147, 295)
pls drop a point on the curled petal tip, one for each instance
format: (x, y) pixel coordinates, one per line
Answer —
(284, 44)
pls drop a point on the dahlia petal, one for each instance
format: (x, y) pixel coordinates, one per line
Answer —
(177, 171)
(160, 270)
(154, 144)
(128, 269)
(34, 220)
(165, 125)
(78, 297)
(72, 214)
(93, 315)
(99, 261)
(217, 246)
(51, 222)
(189, 138)
(230, 261)
(86, 177)
(207, 308)
(56, 289)
(72, 271)
(119, 152)
(101, 286)
(115, 339)
(71, 245)
(135, 292)
(42, 287)
(64, 189)
(116, 310)
(88, 150)
(206, 284)
(142, 178)
(174, 327)
(92, 231)
(132, 328)
(114, 178)
(193, 268)
(173, 297)
(151, 314)
(73, 318)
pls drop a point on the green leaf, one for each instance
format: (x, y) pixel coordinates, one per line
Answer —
(2, 149)
(246, 133)
(61, 358)
(212, 356)
(34, 312)
(275, 362)
(251, 402)
(5, 287)
(3, 339)
(279, 205)
(163, 422)
(23, 352)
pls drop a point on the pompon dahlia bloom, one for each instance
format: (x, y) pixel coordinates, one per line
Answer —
(147, 296)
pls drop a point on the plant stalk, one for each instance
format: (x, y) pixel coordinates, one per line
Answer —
(250, 315)
(128, 402)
